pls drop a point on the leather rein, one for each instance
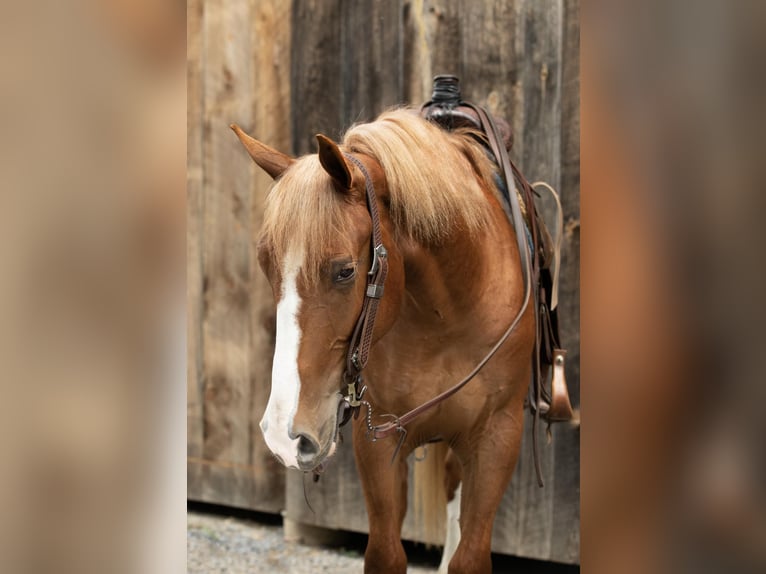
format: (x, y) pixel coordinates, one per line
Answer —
(361, 339)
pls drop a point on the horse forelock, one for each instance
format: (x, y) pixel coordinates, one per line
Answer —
(304, 213)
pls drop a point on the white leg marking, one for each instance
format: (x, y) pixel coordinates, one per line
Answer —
(453, 530)
(285, 380)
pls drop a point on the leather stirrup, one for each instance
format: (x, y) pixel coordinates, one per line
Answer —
(560, 409)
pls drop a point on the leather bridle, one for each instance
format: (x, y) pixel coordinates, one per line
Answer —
(361, 339)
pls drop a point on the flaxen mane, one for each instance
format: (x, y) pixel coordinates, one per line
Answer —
(424, 167)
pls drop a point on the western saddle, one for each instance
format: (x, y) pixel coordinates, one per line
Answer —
(548, 395)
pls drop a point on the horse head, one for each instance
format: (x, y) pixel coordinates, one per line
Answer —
(314, 248)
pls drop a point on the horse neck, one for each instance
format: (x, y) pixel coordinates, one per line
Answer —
(453, 280)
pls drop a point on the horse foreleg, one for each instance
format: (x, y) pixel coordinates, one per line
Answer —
(385, 492)
(487, 467)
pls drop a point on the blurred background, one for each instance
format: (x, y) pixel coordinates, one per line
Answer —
(92, 293)
(673, 459)
(93, 306)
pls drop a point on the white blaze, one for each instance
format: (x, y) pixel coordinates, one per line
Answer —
(285, 380)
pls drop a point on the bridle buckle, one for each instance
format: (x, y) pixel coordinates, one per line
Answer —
(355, 360)
(377, 254)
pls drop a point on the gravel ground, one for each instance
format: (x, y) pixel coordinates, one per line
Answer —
(254, 543)
(237, 546)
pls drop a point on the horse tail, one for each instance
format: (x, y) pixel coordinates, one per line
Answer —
(429, 497)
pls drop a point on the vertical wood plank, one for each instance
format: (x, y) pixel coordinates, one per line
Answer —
(489, 56)
(231, 335)
(271, 115)
(537, 150)
(570, 191)
(194, 242)
(416, 53)
(565, 539)
(433, 39)
(316, 72)
(371, 66)
(227, 274)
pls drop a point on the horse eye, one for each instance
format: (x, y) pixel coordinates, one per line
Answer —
(345, 274)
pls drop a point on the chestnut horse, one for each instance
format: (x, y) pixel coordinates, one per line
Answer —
(454, 285)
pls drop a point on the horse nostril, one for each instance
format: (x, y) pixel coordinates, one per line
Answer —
(307, 447)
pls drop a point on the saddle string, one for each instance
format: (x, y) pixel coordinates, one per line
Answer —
(557, 241)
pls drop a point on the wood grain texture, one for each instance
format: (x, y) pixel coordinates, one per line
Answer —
(195, 239)
(565, 540)
(270, 107)
(490, 58)
(229, 382)
(286, 71)
(226, 257)
(316, 73)
(528, 512)
(371, 70)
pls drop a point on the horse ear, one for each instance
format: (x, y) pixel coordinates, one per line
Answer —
(270, 160)
(333, 162)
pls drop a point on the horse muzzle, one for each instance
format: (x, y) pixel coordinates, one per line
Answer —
(299, 448)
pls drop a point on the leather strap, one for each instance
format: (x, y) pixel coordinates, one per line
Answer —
(396, 425)
(361, 338)
(512, 174)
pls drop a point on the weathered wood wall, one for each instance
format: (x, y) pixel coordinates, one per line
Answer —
(286, 71)
(238, 71)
